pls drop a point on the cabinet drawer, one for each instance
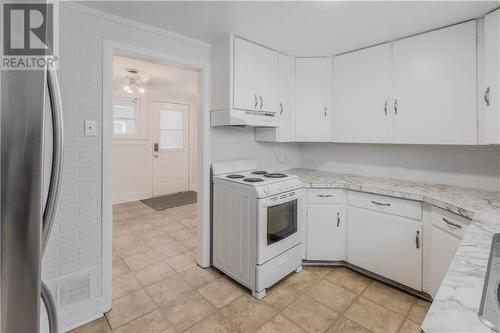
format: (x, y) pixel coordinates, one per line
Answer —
(447, 221)
(325, 195)
(274, 270)
(389, 205)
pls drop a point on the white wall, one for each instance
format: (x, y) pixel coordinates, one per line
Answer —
(469, 166)
(75, 246)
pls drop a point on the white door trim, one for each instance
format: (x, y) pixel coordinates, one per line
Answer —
(203, 144)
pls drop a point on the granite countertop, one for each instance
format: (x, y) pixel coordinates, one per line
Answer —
(455, 307)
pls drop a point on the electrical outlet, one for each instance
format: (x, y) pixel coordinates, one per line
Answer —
(90, 128)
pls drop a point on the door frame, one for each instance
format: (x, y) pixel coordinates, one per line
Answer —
(190, 119)
(111, 48)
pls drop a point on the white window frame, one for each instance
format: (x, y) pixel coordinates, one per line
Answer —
(139, 118)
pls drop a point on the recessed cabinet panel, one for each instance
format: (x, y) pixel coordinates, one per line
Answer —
(489, 97)
(246, 75)
(362, 95)
(313, 90)
(325, 232)
(435, 87)
(385, 244)
(268, 80)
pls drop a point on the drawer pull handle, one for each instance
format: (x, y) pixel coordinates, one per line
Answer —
(338, 219)
(324, 195)
(380, 203)
(417, 240)
(451, 224)
(282, 261)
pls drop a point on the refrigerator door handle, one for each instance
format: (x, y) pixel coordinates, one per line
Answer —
(57, 156)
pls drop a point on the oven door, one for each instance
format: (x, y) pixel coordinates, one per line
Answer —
(280, 224)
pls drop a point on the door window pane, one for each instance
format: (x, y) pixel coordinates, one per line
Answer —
(124, 117)
(171, 129)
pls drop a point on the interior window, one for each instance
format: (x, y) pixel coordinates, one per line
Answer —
(125, 116)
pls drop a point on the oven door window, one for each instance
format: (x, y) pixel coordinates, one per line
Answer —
(281, 221)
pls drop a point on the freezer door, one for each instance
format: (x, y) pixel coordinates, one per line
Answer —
(22, 105)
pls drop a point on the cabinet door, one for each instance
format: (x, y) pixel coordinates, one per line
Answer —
(443, 247)
(435, 87)
(313, 116)
(386, 245)
(286, 93)
(490, 92)
(246, 75)
(362, 91)
(268, 80)
(325, 232)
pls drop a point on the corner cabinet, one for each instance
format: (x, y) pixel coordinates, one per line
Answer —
(245, 84)
(326, 225)
(286, 105)
(313, 89)
(384, 236)
(489, 92)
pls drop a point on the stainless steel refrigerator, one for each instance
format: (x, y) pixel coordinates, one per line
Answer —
(26, 216)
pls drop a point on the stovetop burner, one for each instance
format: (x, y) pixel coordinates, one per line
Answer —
(275, 175)
(235, 176)
(253, 180)
(259, 172)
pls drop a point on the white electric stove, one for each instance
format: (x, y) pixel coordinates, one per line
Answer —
(258, 223)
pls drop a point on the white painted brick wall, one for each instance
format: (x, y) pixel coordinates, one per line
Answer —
(75, 243)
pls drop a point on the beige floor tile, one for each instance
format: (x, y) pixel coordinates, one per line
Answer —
(191, 243)
(132, 249)
(126, 240)
(302, 281)
(280, 324)
(410, 326)
(348, 279)
(188, 310)
(215, 323)
(124, 284)
(171, 289)
(199, 277)
(221, 292)
(129, 307)
(153, 322)
(97, 326)
(154, 273)
(419, 311)
(344, 325)
(374, 317)
(174, 227)
(141, 260)
(191, 222)
(247, 313)
(160, 241)
(171, 250)
(310, 315)
(181, 234)
(389, 298)
(182, 262)
(119, 268)
(336, 298)
(281, 295)
(318, 271)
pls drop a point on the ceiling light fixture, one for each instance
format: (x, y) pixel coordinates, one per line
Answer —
(133, 82)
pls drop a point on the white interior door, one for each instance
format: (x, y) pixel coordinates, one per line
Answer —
(170, 148)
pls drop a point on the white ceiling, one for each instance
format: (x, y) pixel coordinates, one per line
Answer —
(160, 77)
(299, 28)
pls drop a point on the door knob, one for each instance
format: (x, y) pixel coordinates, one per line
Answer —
(156, 146)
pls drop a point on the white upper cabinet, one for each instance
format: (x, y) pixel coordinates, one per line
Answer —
(286, 104)
(362, 91)
(313, 89)
(246, 75)
(435, 87)
(490, 89)
(268, 80)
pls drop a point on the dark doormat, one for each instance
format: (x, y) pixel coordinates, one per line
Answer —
(171, 200)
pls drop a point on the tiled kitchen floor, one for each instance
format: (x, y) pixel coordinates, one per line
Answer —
(158, 288)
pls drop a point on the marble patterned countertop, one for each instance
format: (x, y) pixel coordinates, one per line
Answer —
(455, 307)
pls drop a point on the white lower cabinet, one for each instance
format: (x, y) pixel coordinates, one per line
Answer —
(326, 225)
(386, 243)
(444, 236)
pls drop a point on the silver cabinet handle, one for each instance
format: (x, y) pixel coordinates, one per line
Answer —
(338, 219)
(396, 106)
(385, 107)
(325, 111)
(261, 102)
(448, 222)
(487, 96)
(380, 203)
(281, 108)
(417, 240)
(324, 195)
(256, 101)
